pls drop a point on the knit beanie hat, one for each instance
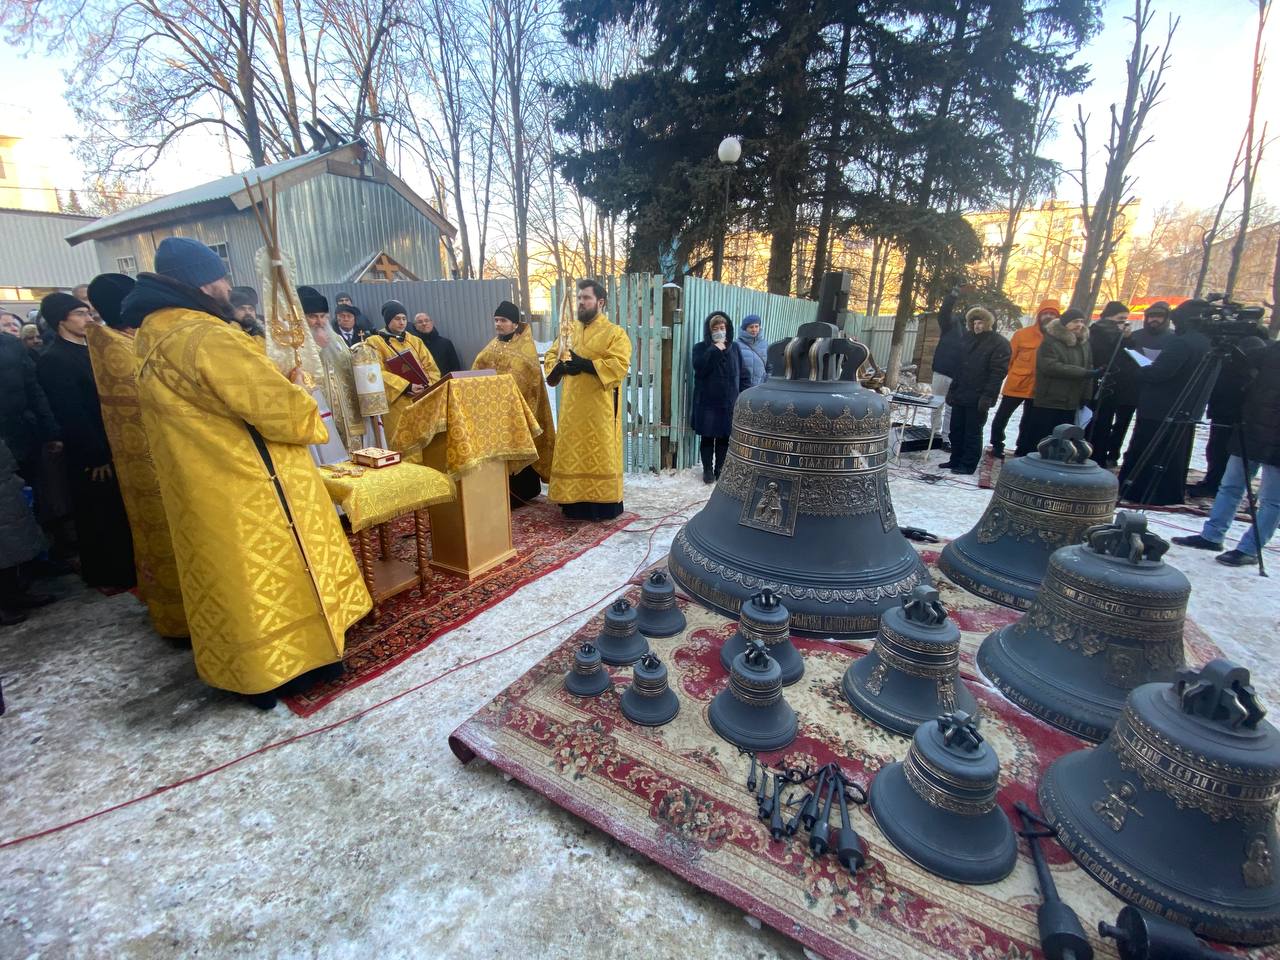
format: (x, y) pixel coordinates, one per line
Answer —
(188, 261)
(749, 319)
(347, 308)
(313, 301)
(1111, 309)
(56, 306)
(1158, 309)
(107, 291)
(244, 297)
(508, 310)
(980, 313)
(392, 309)
(1049, 306)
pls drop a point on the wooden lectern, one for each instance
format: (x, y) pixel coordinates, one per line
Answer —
(472, 534)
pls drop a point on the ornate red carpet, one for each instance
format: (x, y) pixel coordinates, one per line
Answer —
(677, 794)
(409, 621)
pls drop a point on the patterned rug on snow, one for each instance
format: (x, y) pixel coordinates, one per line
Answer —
(409, 621)
(677, 794)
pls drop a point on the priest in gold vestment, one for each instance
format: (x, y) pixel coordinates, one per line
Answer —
(586, 471)
(390, 342)
(269, 582)
(115, 369)
(512, 351)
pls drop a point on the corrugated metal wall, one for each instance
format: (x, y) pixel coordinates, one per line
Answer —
(33, 252)
(462, 309)
(332, 225)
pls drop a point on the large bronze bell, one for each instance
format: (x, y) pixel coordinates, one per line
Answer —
(751, 713)
(802, 505)
(938, 807)
(1042, 501)
(649, 701)
(912, 674)
(766, 620)
(1176, 811)
(1108, 618)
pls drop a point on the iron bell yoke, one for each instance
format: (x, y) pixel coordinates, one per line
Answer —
(802, 506)
(1176, 811)
(1042, 501)
(912, 674)
(1108, 618)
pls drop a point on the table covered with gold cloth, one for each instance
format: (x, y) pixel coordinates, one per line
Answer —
(376, 496)
(482, 418)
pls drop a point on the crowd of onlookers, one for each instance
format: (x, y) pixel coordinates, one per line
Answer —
(1104, 376)
(54, 452)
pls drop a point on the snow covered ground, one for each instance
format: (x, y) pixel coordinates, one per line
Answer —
(370, 839)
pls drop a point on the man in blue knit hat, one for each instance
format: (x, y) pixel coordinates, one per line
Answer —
(269, 583)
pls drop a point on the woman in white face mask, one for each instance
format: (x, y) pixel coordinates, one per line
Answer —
(718, 377)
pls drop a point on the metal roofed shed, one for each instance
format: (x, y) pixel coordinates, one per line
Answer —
(340, 209)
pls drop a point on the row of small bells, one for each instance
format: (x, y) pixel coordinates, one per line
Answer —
(649, 700)
(1175, 810)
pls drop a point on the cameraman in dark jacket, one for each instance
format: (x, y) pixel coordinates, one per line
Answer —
(1155, 465)
(946, 360)
(984, 360)
(1225, 405)
(1259, 428)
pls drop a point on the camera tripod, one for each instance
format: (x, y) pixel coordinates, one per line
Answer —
(1178, 428)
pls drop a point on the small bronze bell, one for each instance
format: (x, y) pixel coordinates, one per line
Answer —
(750, 713)
(650, 701)
(912, 674)
(765, 619)
(620, 642)
(1108, 618)
(938, 807)
(1042, 501)
(659, 615)
(1176, 811)
(587, 677)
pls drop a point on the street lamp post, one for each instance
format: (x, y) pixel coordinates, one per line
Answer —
(729, 152)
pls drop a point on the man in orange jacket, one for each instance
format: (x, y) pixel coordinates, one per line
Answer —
(1020, 382)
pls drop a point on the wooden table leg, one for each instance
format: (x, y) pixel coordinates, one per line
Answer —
(366, 569)
(384, 539)
(420, 538)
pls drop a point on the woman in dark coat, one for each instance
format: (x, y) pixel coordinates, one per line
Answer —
(1064, 377)
(1169, 406)
(718, 377)
(66, 374)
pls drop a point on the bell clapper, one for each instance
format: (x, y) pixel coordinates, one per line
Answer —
(751, 777)
(848, 844)
(764, 798)
(820, 835)
(1144, 936)
(775, 814)
(1062, 936)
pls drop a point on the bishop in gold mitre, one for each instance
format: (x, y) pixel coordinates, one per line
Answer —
(391, 341)
(115, 369)
(269, 583)
(512, 351)
(586, 471)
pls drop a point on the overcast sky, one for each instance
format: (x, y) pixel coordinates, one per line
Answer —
(1196, 128)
